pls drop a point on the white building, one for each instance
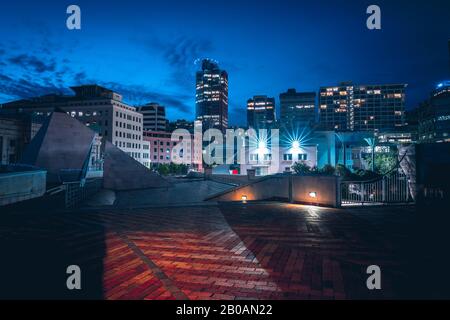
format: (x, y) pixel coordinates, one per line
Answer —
(266, 161)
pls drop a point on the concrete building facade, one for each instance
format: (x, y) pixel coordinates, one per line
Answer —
(297, 109)
(266, 162)
(163, 150)
(434, 115)
(16, 132)
(261, 112)
(154, 116)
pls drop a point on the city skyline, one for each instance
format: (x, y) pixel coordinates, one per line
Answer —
(161, 63)
(248, 152)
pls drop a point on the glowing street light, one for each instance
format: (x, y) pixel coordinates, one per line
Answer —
(295, 144)
(261, 145)
(313, 194)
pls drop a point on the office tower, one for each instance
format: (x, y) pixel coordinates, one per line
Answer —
(181, 124)
(298, 109)
(211, 99)
(434, 115)
(362, 107)
(99, 108)
(261, 112)
(154, 116)
(448, 54)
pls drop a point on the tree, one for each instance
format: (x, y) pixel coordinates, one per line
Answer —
(343, 171)
(372, 142)
(328, 169)
(301, 168)
(163, 169)
(384, 162)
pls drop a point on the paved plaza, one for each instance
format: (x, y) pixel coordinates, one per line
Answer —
(233, 251)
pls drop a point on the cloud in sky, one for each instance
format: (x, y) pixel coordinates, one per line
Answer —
(148, 49)
(31, 62)
(26, 75)
(180, 55)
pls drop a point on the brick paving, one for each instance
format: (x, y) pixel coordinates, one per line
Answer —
(244, 251)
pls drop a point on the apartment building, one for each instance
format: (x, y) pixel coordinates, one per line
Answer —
(362, 107)
(163, 150)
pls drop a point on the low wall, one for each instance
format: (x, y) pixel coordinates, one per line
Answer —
(20, 186)
(288, 187)
(262, 189)
(324, 188)
(228, 178)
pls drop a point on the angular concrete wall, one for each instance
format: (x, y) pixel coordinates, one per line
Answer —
(20, 186)
(62, 145)
(122, 172)
(326, 190)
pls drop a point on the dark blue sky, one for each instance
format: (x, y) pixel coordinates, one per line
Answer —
(147, 50)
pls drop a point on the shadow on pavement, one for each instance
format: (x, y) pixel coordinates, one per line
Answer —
(38, 243)
(323, 253)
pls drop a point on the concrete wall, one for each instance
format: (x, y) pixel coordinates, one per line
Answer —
(228, 178)
(61, 147)
(20, 186)
(122, 172)
(432, 164)
(326, 189)
(289, 187)
(263, 189)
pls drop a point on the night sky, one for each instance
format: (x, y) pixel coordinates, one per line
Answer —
(147, 50)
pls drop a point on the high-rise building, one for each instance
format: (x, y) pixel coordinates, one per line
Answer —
(154, 116)
(260, 112)
(181, 124)
(448, 54)
(434, 115)
(362, 107)
(99, 108)
(211, 99)
(297, 108)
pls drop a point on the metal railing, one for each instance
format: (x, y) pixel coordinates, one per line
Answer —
(391, 188)
(77, 192)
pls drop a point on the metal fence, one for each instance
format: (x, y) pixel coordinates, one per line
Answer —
(391, 188)
(78, 192)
